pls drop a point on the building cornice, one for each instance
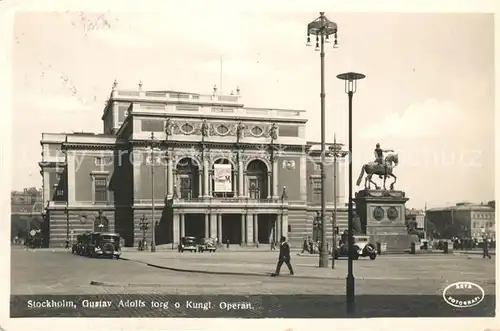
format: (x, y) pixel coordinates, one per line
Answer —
(90, 146)
(194, 115)
(216, 145)
(45, 164)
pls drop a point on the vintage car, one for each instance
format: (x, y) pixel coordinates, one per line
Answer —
(103, 244)
(187, 244)
(362, 248)
(207, 245)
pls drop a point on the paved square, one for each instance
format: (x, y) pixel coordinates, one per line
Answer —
(47, 272)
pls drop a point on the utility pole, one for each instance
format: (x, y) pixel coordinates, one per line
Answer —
(334, 216)
(153, 161)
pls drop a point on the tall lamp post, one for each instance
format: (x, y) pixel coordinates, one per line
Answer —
(336, 154)
(322, 28)
(152, 163)
(350, 79)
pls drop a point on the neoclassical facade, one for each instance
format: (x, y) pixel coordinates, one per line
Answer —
(190, 165)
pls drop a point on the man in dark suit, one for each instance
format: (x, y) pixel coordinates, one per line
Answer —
(486, 253)
(283, 257)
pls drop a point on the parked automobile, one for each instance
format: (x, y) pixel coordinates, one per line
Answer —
(362, 248)
(103, 244)
(207, 245)
(188, 244)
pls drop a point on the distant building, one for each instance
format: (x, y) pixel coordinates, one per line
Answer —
(415, 217)
(220, 170)
(26, 201)
(463, 220)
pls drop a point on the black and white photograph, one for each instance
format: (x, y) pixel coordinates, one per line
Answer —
(209, 161)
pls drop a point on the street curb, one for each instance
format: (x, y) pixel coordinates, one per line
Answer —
(229, 273)
(474, 253)
(108, 284)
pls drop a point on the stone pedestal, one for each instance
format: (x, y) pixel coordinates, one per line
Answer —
(382, 216)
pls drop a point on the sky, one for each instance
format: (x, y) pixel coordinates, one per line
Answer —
(428, 92)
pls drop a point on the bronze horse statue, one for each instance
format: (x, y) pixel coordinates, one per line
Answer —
(372, 168)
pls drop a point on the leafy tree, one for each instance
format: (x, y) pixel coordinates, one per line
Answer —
(33, 191)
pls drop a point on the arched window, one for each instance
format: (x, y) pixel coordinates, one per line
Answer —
(187, 172)
(257, 179)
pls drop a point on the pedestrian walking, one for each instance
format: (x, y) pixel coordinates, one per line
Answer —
(227, 243)
(304, 245)
(486, 252)
(273, 245)
(284, 256)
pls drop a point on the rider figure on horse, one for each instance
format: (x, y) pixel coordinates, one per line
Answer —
(379, 155)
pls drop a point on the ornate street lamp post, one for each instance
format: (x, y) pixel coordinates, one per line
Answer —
(350, 79)
(322, 28)
(144, 226)
(153, 143)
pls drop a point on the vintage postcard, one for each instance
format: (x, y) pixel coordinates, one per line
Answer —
(195, 163)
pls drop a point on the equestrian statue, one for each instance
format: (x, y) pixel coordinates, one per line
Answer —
(382, 166)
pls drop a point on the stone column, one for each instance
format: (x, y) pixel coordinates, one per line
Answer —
(70, 173)
(269, 179)
(240, 175)
(177, 186)
(210, 184)
(255, 219)
(234, 182)
(303, 178)
(250, 224)
(176, 226)
(206, 177)
(137, 172)
(213, 225)
(207, 226)
(170, 179)
(275, 179)
(219, 227)
(243, 229)
(200, 183)
(183, 225)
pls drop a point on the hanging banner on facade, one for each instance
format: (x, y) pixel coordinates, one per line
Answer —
(223, 178)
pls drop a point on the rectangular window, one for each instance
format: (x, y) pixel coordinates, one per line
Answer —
(122, 112)
(254, 188)
(288, 131)
(153, 125)
(316, 189)
(186, 189)
(100, 189)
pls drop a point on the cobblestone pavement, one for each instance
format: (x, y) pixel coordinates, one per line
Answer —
(47, 272)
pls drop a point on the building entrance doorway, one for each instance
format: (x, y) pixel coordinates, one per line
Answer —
(231, 228)
(266, 228)
(194, 225)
